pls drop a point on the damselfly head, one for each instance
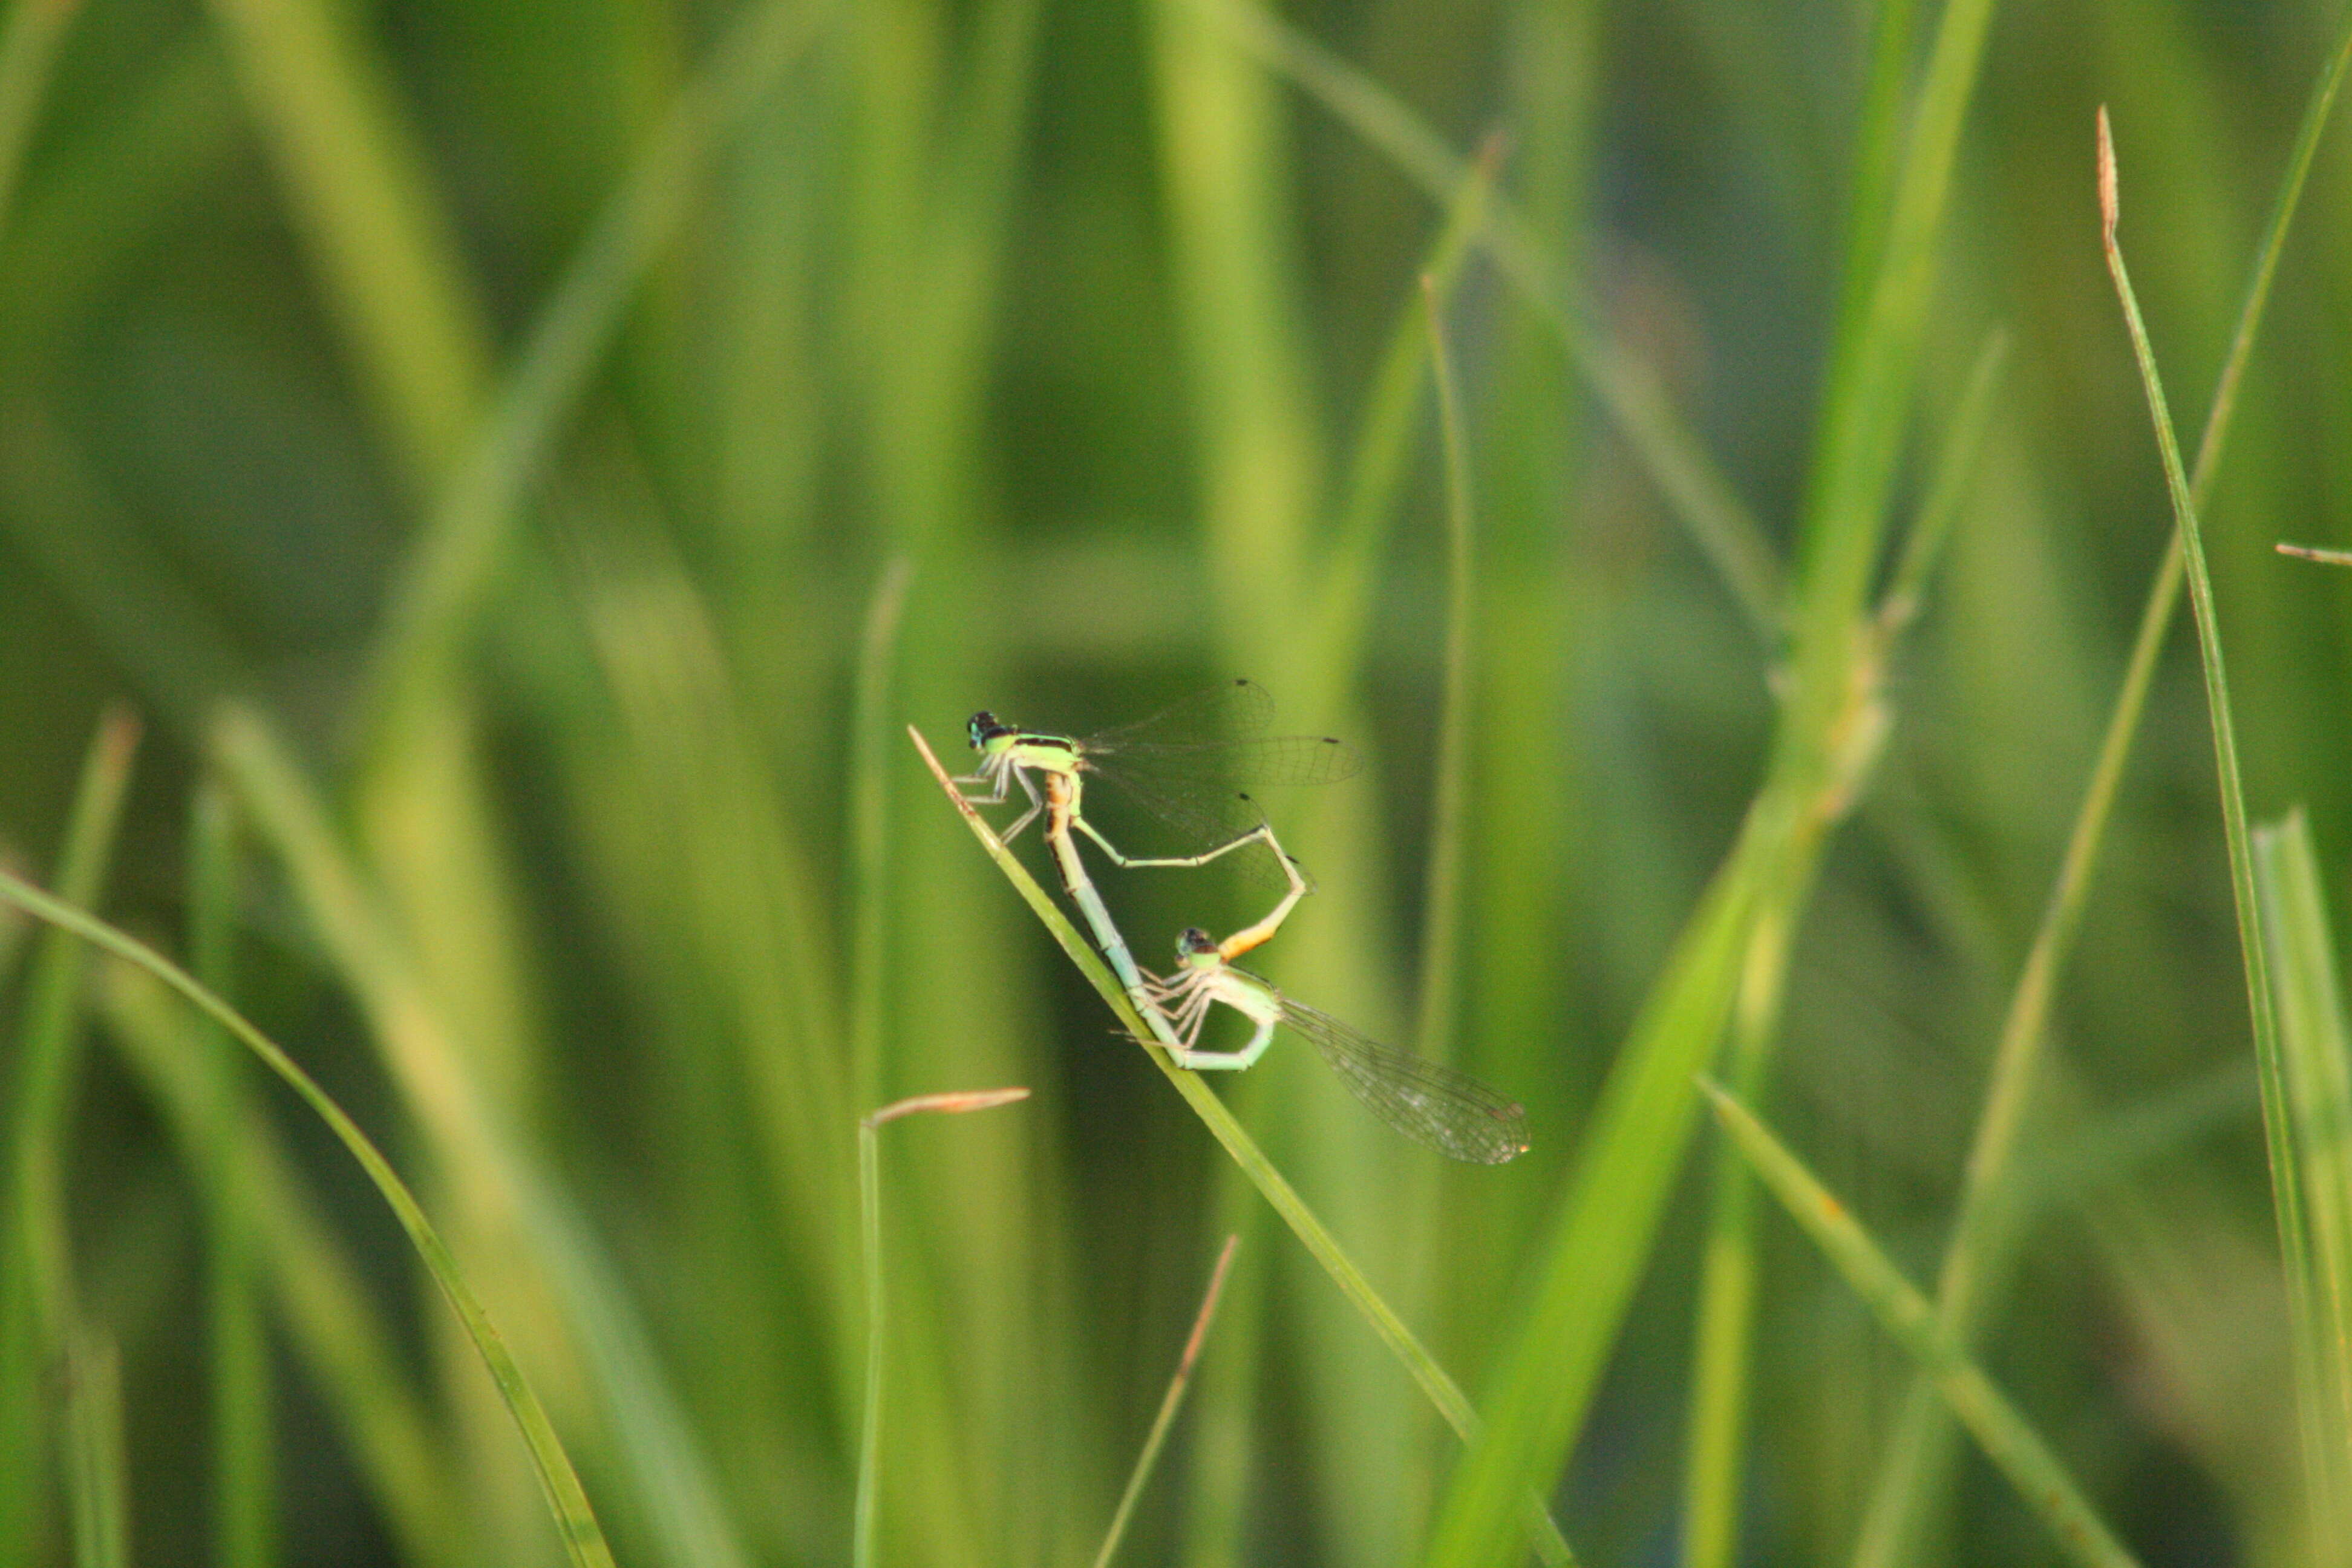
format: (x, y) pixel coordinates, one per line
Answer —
(1194, 946)
(985, 728)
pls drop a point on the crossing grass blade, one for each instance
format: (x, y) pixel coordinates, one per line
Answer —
(2008, 1439)
(1722, 1371)
(1915, 1457)
(28, 56)
(97, 1467)
(475, 1148)
(2315, 1055)
(37, 1312)
(1702, 499)
(245, 1504)
(575, 1523)
(1171, 1403)
(481, 484)
(357, 178)
(1831, 724)
(351, 1354)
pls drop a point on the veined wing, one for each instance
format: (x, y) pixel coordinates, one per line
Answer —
(1265, 759)
(1225, 712)
(1450, 1111)
(1216, 737)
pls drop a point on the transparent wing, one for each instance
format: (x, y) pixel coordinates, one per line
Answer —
(1225, 711)
(1265, 759)
(1452, 1113)
(1214, 737)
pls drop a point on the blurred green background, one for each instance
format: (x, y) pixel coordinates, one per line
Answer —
(483, 439)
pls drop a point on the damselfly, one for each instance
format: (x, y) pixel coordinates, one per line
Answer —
(1450, 1111)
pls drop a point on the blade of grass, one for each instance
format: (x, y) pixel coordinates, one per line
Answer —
(1955, 469)
(79, 537)
(1441, 930)
(1377, 460)
(1544, 1374)
(113, 183)
(1866, 401)
(1718, 1412)
(2125, 1141)
(352, 1356)
(245, 1503)
(358, 185)
(2315, 1050)
(36, 1309)
(869, 829)
(1914, 1451)
(575, 1523)
(1729, 536)
(99, 1472)
(1830, 729)
(1238, 279)
(477, 497)
(1172, 1401)
(2009, 1440)
(1151, 1031)
(28, 55)
(2286, 1176)
(477, 1153)
(869, 1208)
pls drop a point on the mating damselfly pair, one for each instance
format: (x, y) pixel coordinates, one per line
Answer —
(1187, 766)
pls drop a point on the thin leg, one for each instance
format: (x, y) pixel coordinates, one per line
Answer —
(1127, 862)
(1248, 937)
(1224, 1061)
(997, 773)
(1026, 817)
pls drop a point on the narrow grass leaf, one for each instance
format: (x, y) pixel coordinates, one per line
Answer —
(1729, 535)
(98, 1468)
(2008, 1439)
(1169, 1405)
(1913, 1466)
(567, 1503)
(2278, 1106)
(2316, 1050)
(869, 829)
(245, 1504)
(477, 1150)
(1831, 727)
(869, 1208)
(1441, 939)
(37, 1310)
(28, 56)
(352, 1356)
(1440, 1389)
(357, 181)
(1866, 403)
(1956, 467)
(1377, 460)
(1721, 1356)
(458, 555)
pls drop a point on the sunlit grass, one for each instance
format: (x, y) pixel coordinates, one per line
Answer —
(528, 470)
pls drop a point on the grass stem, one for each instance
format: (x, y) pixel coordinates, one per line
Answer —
(1169, 1405)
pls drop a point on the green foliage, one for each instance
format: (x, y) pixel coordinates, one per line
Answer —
(529, 463)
